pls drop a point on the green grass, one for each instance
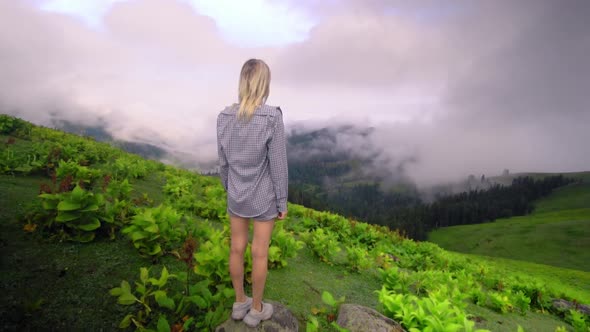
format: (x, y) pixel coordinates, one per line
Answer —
(300, 284)
(571, 281)
(573, 196)
(557, 233)
(533, 321)
(559, 239)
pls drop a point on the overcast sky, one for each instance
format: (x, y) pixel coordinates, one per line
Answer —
(458, 86)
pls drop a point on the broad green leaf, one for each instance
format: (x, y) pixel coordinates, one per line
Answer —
(49, 205)
(152, 229)
(89, 208)
(328, 299)
(68, 205)
(188, 323)
(140, 289)
(229, 292)
(63, 216)
(116, 291)
(84, 237)
(155, 250)
(89, 225)
(199, 301)
(48, 196)
(312, 324)
(77, 193)
(163, 325)
(125, 322)
(127, 299)
(138, 235)
(125, 287)
(163, 300)
(143, 274)
(163, 277)
(128, 229)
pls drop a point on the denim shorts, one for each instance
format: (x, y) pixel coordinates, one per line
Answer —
(269, 215)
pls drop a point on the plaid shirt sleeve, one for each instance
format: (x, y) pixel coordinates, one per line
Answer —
(224, 166)
(277, 155)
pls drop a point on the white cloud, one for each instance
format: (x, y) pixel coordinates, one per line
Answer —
(475, 88)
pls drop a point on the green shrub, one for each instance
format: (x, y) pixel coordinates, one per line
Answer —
(283, 245)
(73, 215)
(325, 244)
(10, 125)
(358, 258)
(156, 231)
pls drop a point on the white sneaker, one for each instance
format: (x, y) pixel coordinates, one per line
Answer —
(254, 316)
(240, 309)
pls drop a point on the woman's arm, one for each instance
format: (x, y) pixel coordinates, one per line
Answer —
(223, 165)
(277, 156)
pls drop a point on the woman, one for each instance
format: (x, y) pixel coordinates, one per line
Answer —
(252, 153)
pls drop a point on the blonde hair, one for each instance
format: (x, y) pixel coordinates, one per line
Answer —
(254, 87)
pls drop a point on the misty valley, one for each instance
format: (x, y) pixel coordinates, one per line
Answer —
(295, 166)
(133, 243)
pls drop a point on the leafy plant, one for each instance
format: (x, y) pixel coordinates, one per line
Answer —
(424, 314)
(209, 302)
(156, 231)
(150, 293)
(358, 258)
(80, 174)
(128, 166)
(500, 302)
(521, 302)
(283, 245)
(74, 214)
(325, 244)
(10, 125)
(325, 316)
(579, 321)
(213, 257)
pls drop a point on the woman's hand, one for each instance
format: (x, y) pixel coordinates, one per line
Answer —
(282, 215)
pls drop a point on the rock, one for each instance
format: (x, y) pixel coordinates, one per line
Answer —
(357, 318)
(282, 321)
(563, 305)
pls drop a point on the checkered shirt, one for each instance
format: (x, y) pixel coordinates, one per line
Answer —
(253, 160)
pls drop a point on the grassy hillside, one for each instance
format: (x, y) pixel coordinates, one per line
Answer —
(557, 233)
(112, 235)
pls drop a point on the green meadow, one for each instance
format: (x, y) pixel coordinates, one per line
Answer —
(557, 233)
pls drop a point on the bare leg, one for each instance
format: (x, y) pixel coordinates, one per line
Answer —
(239, 241)
(260, 244)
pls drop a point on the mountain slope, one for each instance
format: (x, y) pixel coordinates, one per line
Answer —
(95, 285)
(556, 233)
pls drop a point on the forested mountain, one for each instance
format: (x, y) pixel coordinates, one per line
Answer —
(326, 173)
(337, 169)
(99, 133)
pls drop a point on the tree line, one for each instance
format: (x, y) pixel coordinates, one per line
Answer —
(414, 218)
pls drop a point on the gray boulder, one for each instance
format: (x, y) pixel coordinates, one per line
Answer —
(564, 305)
(282, 321)
(357, 318)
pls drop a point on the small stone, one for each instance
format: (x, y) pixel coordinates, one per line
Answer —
(563, 305)
(357, 318)
(282, 320)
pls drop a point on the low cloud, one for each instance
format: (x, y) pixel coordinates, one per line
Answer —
(450, 89)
